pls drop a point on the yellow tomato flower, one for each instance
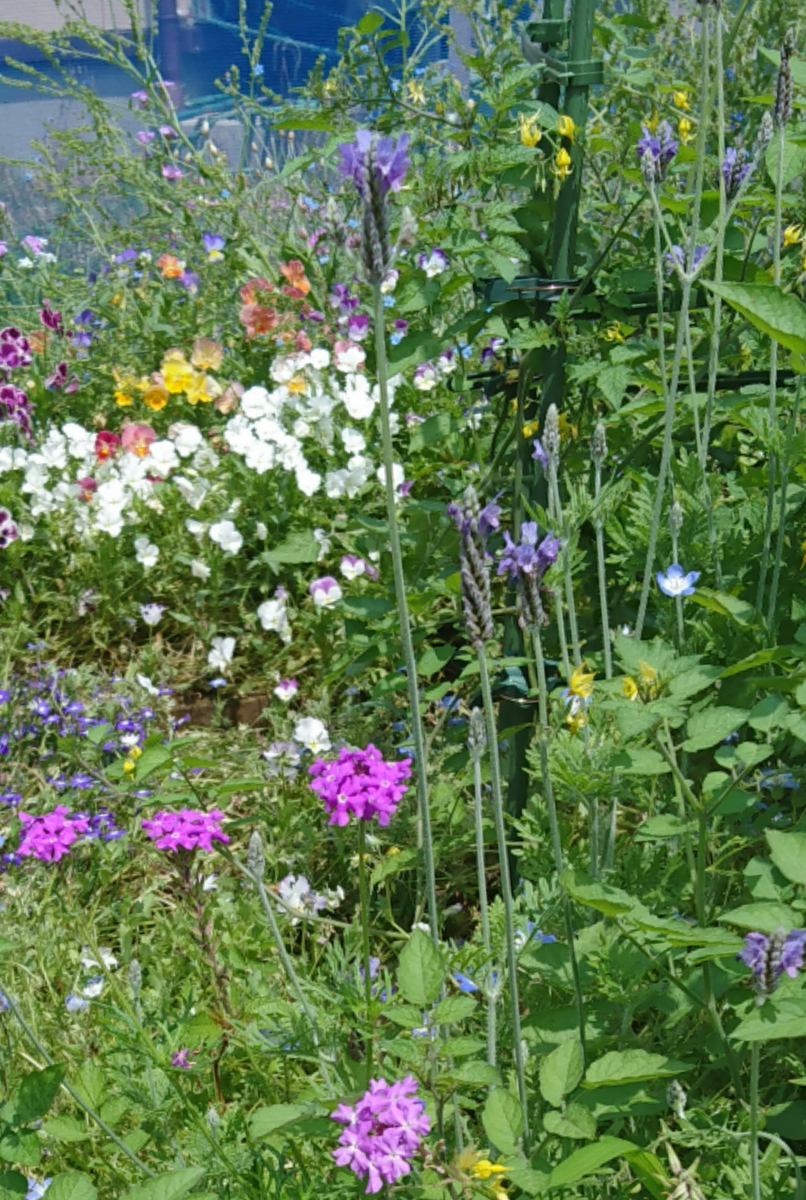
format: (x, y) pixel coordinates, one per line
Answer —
(484, 1169)
(646, 674)
(629, 687)
(684, 129)
(681, 100)
(576, 721)
(566, 127)
(653, 122)
(392, 851)
(177, 373)
(581, 683)
(529, 130)
(613, 333)
(155, 397)
(566, 428)
(530, 428)
(135, 752)
(792, 235)
(416, 91)
(562, 165)
(207, 355)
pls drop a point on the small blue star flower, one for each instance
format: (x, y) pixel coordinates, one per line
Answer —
(465, 984)
(676, 582)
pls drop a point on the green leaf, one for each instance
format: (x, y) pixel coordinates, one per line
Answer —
(502, 1118)
(561, 1071)
(605, 899)
(664, 826)
(90, 1083)
(12, 1184)
(778, 314)
(630, 1066)
(167, 1187)
(477, 1074)
(642, 761)
(780, 1017)
(268, 1120)
(766, 918)
(35, 1094)
(405, 1015)
(433, 660)
(706, 728)
(575, 1122)
(788, 852)
(66, 1129)
(421, 970)
(72, 1186)
(454, 1009)
(613, 382)
(793, 160)
(587, 1160)
(434, 431)
(98, 733)
(300, 547)
(369, 23)
(150, 760)
(770, 713)
(20, 1146)
(372, 608)
(393, 864)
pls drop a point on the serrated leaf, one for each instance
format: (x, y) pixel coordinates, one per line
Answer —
(502, 1118)
(35, 1094)
(575, 1122)
(780, 1017)
(640, 761)
(66, 1129)
(150, 760)
(405, 1015)
(713, 725)
(300, 547)
(561, 1071)
(273, 1117)
(434, 431)
(630, 1066)
(20, 1146)
(788, 852)
(421, 970)
(778, 314)
(453, 1009)
(167, 1187)
(476, 1074)
(588, 1160)
(72, 1186)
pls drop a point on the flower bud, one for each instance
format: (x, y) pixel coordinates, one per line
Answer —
(782, 108)
(135, 977)
(599, 444)
(255, 857)
(676, 518)
(551, 435)
(676, 1099)
(476, 733)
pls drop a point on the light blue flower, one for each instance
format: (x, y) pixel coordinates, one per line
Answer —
(676, 582)
(75, 1004)
(465, 984)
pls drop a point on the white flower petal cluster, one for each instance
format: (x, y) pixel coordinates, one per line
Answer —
(273, 616)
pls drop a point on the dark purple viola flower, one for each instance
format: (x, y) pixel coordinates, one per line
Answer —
(15, 349)
(341, 299)
(127, 255)
(391, 161)
(190, 281)
(357, 326)
(49, 318)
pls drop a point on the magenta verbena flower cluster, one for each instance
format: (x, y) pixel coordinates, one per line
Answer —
(382, 1132)
(360, 783)
(188, 829)
(50, 837)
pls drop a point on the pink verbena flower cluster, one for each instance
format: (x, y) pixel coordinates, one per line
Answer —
(382, 1132)
(360, 783)
(188, 829)
(50, 836)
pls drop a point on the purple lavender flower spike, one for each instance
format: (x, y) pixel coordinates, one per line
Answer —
(771, 957)
(391, 161)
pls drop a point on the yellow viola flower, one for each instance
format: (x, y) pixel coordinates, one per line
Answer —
(530, 132)
(792, 235)
(207, 355)
(416, 91)
(196, 390)
(684, 129)
(613, 333)
(581, 683)
(562, 165)
(177, 373)
(123, 399)
(484, 1169)
(155, 397)
(629, 687)
(566, 127)
(530, 428)
(680, 100)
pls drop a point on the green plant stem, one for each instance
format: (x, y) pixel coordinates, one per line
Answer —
(403, 614)
(600, 563)
(364, 894)
(478, 815)
(506, 888)
(779, 540)
(559, 518)
(755, 1175)
(670, 393)
(678, 600)
(110, 1133)
(773, 400)
(556, 844)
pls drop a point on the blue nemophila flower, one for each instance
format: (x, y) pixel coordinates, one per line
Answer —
(217, 682)
(4, 1004)
(465, 984)
(676, 582)
(75, 1004)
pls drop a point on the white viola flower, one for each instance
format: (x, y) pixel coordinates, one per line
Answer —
(109, 519)
(255, 403)
(261, 531)
(161, 458)
(105, 958)
(146, 552)
(194, 491)
(359, 472)
(434, 263)
(53, 452)
(12, 459)
(301, 428)
(238, 433)
(25, 532)
(205, 459)
(186, 438)
(269, 429)
(352, 567)
(325, 591)
(298, 895)
(225, 535)
(221, 654)
(286, 689)
(133, 471)
(308, 481)
(357, 397)
(260, 457)
(312, 733)
(320, 358)
(112, 492)
(389, 282)
(398, 477)
(353, 441)
(350, 359)
(426, 377)
(283, 369)
(197, 528)
(93, 987)
(147, 685)
(273, 616)
(323, 541)
(336, 483)
(152, 613)
(199, 569)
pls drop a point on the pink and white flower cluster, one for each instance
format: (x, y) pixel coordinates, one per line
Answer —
(188, 829)
(360, 783)
(382, 1132)
(49, 837)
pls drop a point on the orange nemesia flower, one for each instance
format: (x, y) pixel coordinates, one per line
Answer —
(170, 266)
(294, 273)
